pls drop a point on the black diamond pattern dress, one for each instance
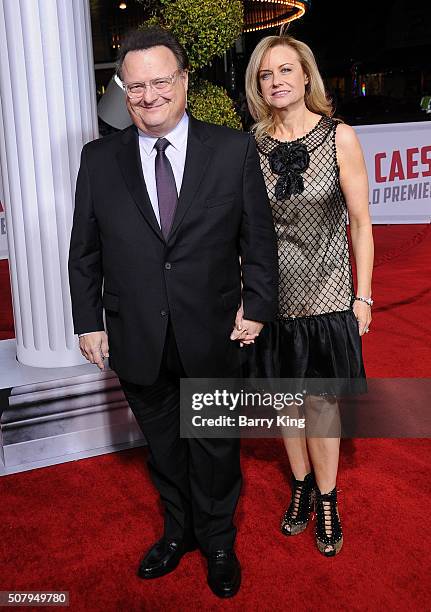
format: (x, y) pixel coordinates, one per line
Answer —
(316, 333)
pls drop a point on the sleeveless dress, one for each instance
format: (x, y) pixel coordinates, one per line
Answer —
(316, 332)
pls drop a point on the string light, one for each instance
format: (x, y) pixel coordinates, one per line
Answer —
(263, 14)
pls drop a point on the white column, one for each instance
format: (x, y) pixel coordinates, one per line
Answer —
(47, 113)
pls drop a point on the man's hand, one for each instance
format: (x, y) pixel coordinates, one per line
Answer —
(245, 330)
(95, 347)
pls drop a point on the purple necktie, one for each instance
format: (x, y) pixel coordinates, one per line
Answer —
(166, 186)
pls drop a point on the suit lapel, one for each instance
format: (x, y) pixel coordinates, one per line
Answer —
(129, 160)
(197, 159)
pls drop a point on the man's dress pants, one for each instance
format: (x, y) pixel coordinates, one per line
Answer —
(199, 480)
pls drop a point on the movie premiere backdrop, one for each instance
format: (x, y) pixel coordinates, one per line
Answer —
(398, 158)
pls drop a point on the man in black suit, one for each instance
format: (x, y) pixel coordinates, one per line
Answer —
(172, 216)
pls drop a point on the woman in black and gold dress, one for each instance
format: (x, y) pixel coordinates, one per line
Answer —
(315, 174)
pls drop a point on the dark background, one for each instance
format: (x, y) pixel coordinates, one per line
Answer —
(381, 49)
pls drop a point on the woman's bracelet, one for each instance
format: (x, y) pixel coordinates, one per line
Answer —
(368, 301)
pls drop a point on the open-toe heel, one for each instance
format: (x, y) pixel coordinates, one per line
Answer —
(297, 516)
(329, 534)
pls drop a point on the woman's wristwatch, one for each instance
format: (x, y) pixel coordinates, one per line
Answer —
(368, 301)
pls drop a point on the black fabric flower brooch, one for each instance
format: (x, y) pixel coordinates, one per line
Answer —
(289, 160)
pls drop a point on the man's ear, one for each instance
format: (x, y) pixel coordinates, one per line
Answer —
(185, 77)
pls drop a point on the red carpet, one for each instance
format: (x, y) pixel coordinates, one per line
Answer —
(82, 526)
(399, 342)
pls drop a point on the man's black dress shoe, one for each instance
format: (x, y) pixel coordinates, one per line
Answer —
(224, 573)
(163, 557)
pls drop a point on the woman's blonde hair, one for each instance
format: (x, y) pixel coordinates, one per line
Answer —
(316, 99)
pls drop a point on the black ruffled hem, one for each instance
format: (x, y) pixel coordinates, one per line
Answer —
(319, 346)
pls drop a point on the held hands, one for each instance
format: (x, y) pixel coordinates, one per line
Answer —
(245, 330)
(94, 347)
(362, 312)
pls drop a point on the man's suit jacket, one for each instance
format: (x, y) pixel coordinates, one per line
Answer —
(194, 277)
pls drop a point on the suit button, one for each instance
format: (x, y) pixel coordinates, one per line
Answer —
(163, 313)
(168, 266)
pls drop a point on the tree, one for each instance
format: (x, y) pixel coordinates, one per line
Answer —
(206, 29)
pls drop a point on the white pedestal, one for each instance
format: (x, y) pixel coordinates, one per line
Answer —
(55, 415)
